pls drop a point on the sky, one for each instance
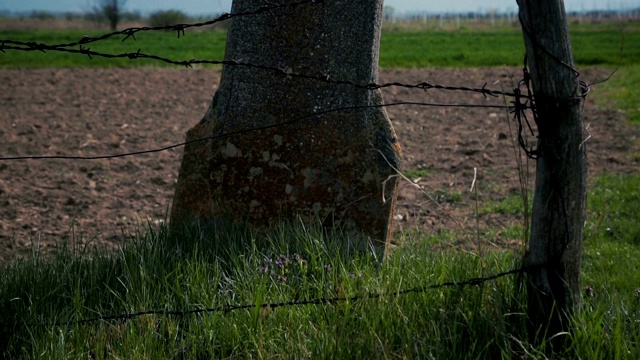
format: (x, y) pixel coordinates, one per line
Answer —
(205, 7)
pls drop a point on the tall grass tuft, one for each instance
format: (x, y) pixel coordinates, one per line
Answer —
(44, 298)
(365, 307)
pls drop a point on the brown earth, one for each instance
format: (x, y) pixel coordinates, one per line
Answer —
(111, 111)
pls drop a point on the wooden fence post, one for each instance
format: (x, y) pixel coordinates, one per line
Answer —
(555, 244)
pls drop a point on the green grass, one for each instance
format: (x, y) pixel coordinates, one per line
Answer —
(607, 325)
(417, 172)
(497, 48)
(614, 201)
(594, 45)
(444, 196)
(193, 45)
(450, 48)
(512, 205)
(163, 271)
(159, 271)
(620, 92)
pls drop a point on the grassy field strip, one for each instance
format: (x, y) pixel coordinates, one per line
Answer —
(399, 49)
(160, 271)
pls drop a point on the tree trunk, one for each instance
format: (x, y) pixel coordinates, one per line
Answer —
(282, 147)
(555, 244)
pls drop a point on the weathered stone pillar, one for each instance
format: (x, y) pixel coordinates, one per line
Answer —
(321, 165)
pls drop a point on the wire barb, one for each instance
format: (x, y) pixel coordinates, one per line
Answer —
(86, 51)
(130, 33)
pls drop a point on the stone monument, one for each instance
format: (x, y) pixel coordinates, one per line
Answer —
(285, 146)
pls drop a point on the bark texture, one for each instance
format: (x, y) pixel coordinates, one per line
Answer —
(285, 146)
(555, 244)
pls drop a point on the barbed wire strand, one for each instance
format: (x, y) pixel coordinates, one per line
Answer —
(180, 28)
(522, 101)
(425, 85)
(236, 132)
(477, 281)
(6, 44)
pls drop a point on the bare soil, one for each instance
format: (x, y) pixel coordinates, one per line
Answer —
(109, 111)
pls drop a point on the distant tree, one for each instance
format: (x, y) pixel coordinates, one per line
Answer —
(72, 16)
(110, 9)
(131, 16)
(389, 13)
(42, 15)
(167, 18)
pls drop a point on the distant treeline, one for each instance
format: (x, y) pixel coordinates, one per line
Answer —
(156, 18)
(491, 17)
(500, 18)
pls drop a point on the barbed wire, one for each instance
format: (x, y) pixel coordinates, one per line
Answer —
(180, 28)
(241, 131)
(17, 45)
(425, 85)
(477, 281)
(523, 101)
